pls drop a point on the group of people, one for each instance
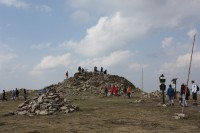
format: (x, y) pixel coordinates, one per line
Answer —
(184, 94)
(14, 94)
(111, 89)
(101, 70)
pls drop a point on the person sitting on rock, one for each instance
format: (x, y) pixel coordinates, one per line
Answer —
(105, 72)
(95, 69)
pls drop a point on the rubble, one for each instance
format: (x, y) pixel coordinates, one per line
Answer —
(46, 104)
(180, 116)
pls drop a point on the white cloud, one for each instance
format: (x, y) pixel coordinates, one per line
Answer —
(191, 33)
(43, 8)
(167, 13)
(51, 62)
(15, 3)
(109, 34)
(41, 46)
(117, 57)
(167, 42)
(182, 61)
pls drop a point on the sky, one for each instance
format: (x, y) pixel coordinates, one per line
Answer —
(42, 39)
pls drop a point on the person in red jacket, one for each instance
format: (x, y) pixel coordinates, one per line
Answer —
(116, 90)
(111, 89)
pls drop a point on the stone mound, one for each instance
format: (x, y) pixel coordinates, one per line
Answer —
(88, 83)
(46, 104)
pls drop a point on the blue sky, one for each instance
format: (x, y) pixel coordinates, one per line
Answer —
(41, 39)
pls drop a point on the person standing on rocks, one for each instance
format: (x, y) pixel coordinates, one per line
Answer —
(129, 91)
(101, 69)
(194, 92)
(67, 75)
(79, 69)
(170, 93)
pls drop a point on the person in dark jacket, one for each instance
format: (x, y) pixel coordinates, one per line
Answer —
(170, 93)
(4, 96)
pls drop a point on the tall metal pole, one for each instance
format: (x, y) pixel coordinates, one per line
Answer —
(142, 79)
(190, 61)
(189, 72)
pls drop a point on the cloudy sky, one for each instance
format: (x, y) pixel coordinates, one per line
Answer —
(41, 39)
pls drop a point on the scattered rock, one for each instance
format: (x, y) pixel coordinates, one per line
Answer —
(180, 116)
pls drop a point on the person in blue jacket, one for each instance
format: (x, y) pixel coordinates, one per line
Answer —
(170, 93)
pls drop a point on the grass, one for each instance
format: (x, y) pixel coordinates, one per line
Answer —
(104, 115)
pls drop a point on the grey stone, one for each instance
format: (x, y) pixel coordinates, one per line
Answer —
(43, 112)
(22, 113)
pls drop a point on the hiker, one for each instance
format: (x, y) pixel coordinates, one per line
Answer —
(67, 75)
(4, 96)
(79, 69)
(116, 90)
(124, 89)
(187, 94)
(25, 95)
(194, 92)
(129, 91)
(120, 90)
(13, 94)
(101, 69)
(111, 89)
(95, 69)
(183, 90)
(16, 93)
(105, 72)
(170, 93)
(105, 90)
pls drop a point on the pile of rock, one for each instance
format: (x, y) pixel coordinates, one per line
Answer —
(156, 94)
(46, 104)
(88, 83)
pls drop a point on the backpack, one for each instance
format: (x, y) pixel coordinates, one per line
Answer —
(197, 87)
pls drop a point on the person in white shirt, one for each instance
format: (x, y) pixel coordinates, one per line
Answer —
(194, 92)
